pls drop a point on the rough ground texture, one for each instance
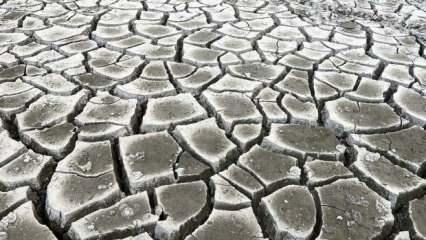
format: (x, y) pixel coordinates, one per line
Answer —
(212, 119)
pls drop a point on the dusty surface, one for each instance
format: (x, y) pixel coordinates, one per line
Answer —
(212, 119)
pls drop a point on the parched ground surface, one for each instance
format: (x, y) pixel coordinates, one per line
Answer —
(212, 119)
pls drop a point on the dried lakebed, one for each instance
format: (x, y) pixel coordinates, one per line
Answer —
(212, 119)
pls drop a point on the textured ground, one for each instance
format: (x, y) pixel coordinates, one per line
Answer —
(212, 119)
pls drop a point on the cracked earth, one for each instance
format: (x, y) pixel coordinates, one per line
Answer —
(212, 119)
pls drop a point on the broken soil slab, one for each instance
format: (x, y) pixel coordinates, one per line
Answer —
(405, 146)
(128, 216)
(148, 160)
(397, 184)
(29, 169)
(289, 213)
(350, 210)
(185, 206)
(272, 169)
(320, 172)
(229, 225)
(22, 223)
(166, 112)
(55, 141)
(207, 141)
(417, 215)
(244, 182)
(188, 168)
(226, 196)
(232, 108)
(345, 115)
(303, 141)
(50, 110)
